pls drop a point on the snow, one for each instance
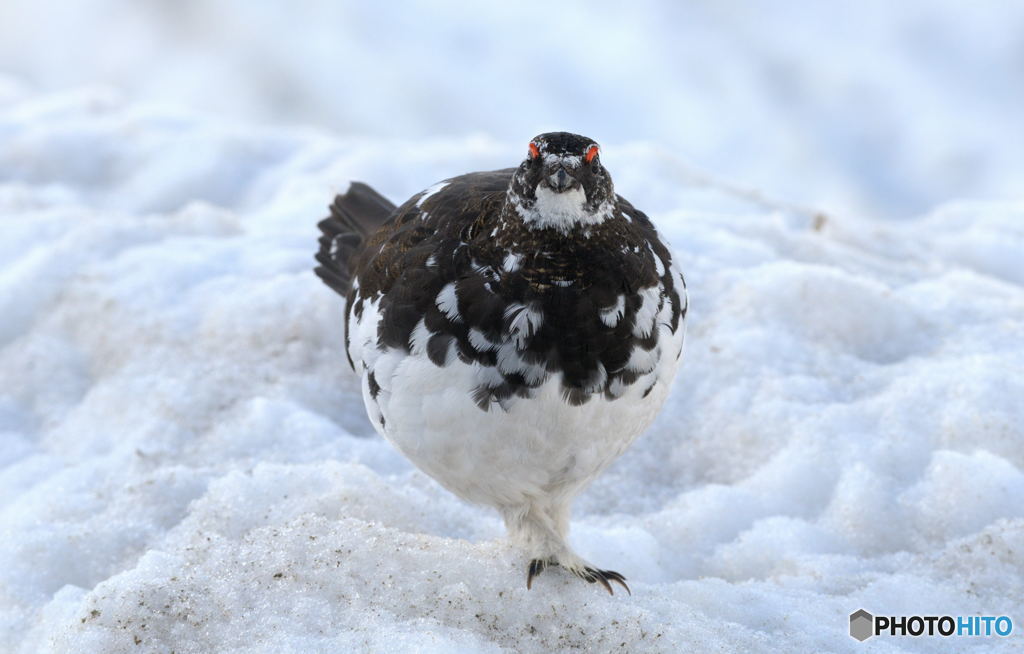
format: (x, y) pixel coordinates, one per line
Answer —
(872, 106)
(186, 463)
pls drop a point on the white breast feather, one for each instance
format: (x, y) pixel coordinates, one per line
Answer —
(517, 450)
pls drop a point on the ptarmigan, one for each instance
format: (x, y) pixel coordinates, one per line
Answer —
(515, 331)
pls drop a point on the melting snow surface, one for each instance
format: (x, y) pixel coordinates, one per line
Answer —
(185, 462)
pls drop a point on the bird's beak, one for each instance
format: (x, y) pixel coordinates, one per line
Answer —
(560, 179)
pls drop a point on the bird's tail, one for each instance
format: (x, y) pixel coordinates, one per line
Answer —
(355, 215)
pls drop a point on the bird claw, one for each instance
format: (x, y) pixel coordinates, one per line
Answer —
(590, 575)
(537, 566)
(593, 575)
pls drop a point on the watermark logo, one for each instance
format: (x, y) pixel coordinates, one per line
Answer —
(864, 625)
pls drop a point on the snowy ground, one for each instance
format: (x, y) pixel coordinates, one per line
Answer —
(880, 106)
(185, 462)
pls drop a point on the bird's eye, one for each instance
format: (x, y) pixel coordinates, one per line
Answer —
(534, 150)
(591, 153)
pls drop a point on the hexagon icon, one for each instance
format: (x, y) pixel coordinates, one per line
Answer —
(862, 625)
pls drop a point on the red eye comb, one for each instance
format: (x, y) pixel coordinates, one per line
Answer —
(591, 153)
(534, 150)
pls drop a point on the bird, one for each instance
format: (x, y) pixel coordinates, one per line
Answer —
(514, 332)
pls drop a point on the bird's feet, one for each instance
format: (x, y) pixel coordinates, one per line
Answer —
(585, 572)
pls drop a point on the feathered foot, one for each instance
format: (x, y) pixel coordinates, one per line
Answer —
(587, 573)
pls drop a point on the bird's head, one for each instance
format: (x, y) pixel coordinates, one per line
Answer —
(562, 183)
